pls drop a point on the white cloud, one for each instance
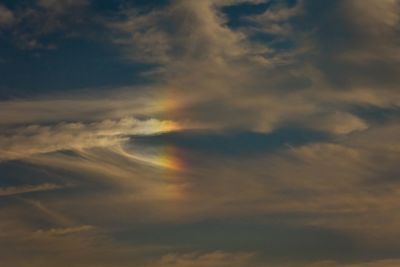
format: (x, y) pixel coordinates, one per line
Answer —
(65, 231)
(275, 20)
(26, 141)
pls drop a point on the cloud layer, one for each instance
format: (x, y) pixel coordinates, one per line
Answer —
(266, 134)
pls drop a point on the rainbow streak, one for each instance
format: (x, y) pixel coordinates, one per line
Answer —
(170, 157)
(168, 105)
(170, 167)
(167, 158)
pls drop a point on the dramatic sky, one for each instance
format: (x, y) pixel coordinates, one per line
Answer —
(199, 133)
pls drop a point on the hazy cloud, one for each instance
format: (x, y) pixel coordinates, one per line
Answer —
(6, 16)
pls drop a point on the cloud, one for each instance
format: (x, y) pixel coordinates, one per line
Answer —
(234, 81)
(326, 185)
(378, 263)
(212, 259)
(209, 76)
(65, 231)
(6, 16)
(235, 2)
(376, 31)
(276, 20)
(32, 25)
(201, 38)
(337, 123)
(21, 189)
(63, 5)
(363, 51)
(246, 83)
(312, 73)
(379, 17)
(36, 139)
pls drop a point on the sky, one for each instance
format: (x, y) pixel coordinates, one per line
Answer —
(199, 133)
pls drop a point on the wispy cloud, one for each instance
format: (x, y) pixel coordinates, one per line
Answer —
(212, 259)
(65, 231)
(36, 139)
(21, 189)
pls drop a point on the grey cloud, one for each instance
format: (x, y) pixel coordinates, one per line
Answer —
(358, 42)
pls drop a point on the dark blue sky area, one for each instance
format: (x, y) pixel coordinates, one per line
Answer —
(86, 59)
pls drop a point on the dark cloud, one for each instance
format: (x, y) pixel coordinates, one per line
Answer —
(235, 142)
(358, 42)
